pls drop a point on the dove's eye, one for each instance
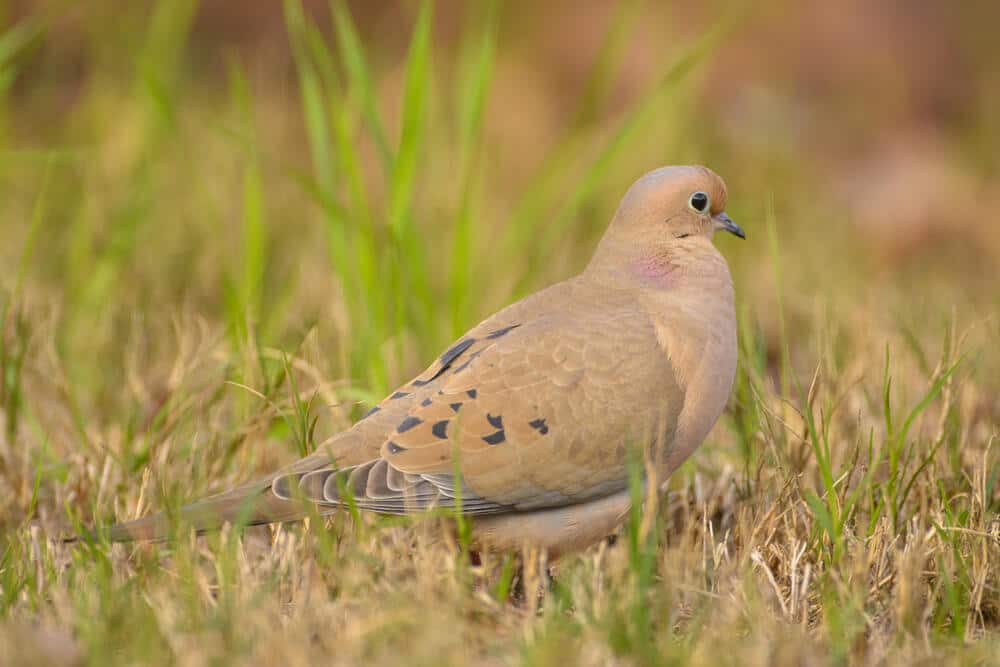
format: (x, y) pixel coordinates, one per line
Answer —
(699, 201)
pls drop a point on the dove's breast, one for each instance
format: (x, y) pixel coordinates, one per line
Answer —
(697, 332)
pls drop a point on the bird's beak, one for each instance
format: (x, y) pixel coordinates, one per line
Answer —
(727, 223)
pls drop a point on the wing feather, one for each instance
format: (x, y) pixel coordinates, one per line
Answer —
(540, 414)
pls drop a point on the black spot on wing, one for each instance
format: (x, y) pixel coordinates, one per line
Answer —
(456, 406)
(495, 438)
(371, 412)
(425, 402)
(447, 359)
(399, 394)
(471, 393)
(539, 425)
(440, 429)
(502, 332)
(495, 422)
(394, 448)
(408, 423)
(452, 352)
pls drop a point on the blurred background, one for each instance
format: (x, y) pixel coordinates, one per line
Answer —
(191, 190)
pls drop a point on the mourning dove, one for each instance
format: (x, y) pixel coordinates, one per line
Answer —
(524, 423)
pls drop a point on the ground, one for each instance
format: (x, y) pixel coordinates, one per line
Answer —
(214, 256)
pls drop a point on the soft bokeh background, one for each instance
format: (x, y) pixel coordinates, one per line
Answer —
(868, 130)
(193, 195)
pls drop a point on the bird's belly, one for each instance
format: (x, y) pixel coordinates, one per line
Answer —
(558, 530)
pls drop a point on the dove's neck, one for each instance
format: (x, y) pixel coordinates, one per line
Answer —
(695, 265)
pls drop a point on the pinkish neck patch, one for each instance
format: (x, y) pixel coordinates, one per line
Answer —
(657, 272)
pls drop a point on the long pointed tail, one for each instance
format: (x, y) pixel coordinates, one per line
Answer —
(252, 504)
(248, 508)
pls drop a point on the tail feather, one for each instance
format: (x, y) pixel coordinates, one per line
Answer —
(253, 508)
(252, 504)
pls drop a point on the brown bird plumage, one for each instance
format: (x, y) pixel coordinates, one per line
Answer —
(537, 405)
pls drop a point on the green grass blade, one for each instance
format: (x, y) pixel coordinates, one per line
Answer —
(474, 88)
(415, 90)
(359, 76)
(311, 92)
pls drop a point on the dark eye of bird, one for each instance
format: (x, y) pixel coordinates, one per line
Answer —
(699, 201)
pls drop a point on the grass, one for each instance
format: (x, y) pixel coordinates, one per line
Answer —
(202, 277)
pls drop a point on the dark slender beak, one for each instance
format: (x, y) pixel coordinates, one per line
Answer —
(730, 225)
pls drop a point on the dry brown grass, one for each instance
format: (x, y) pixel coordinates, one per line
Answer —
(740, 569)
(165, 251)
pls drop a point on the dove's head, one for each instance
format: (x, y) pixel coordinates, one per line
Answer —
(667, 217)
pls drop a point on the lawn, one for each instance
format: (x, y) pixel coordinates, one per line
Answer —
(221, 244)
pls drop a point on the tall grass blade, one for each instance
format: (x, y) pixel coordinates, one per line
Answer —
(359, 76)
(478, 59)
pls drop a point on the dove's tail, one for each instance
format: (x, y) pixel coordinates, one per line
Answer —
(252, 504)
(247, 508)
(241, 507)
